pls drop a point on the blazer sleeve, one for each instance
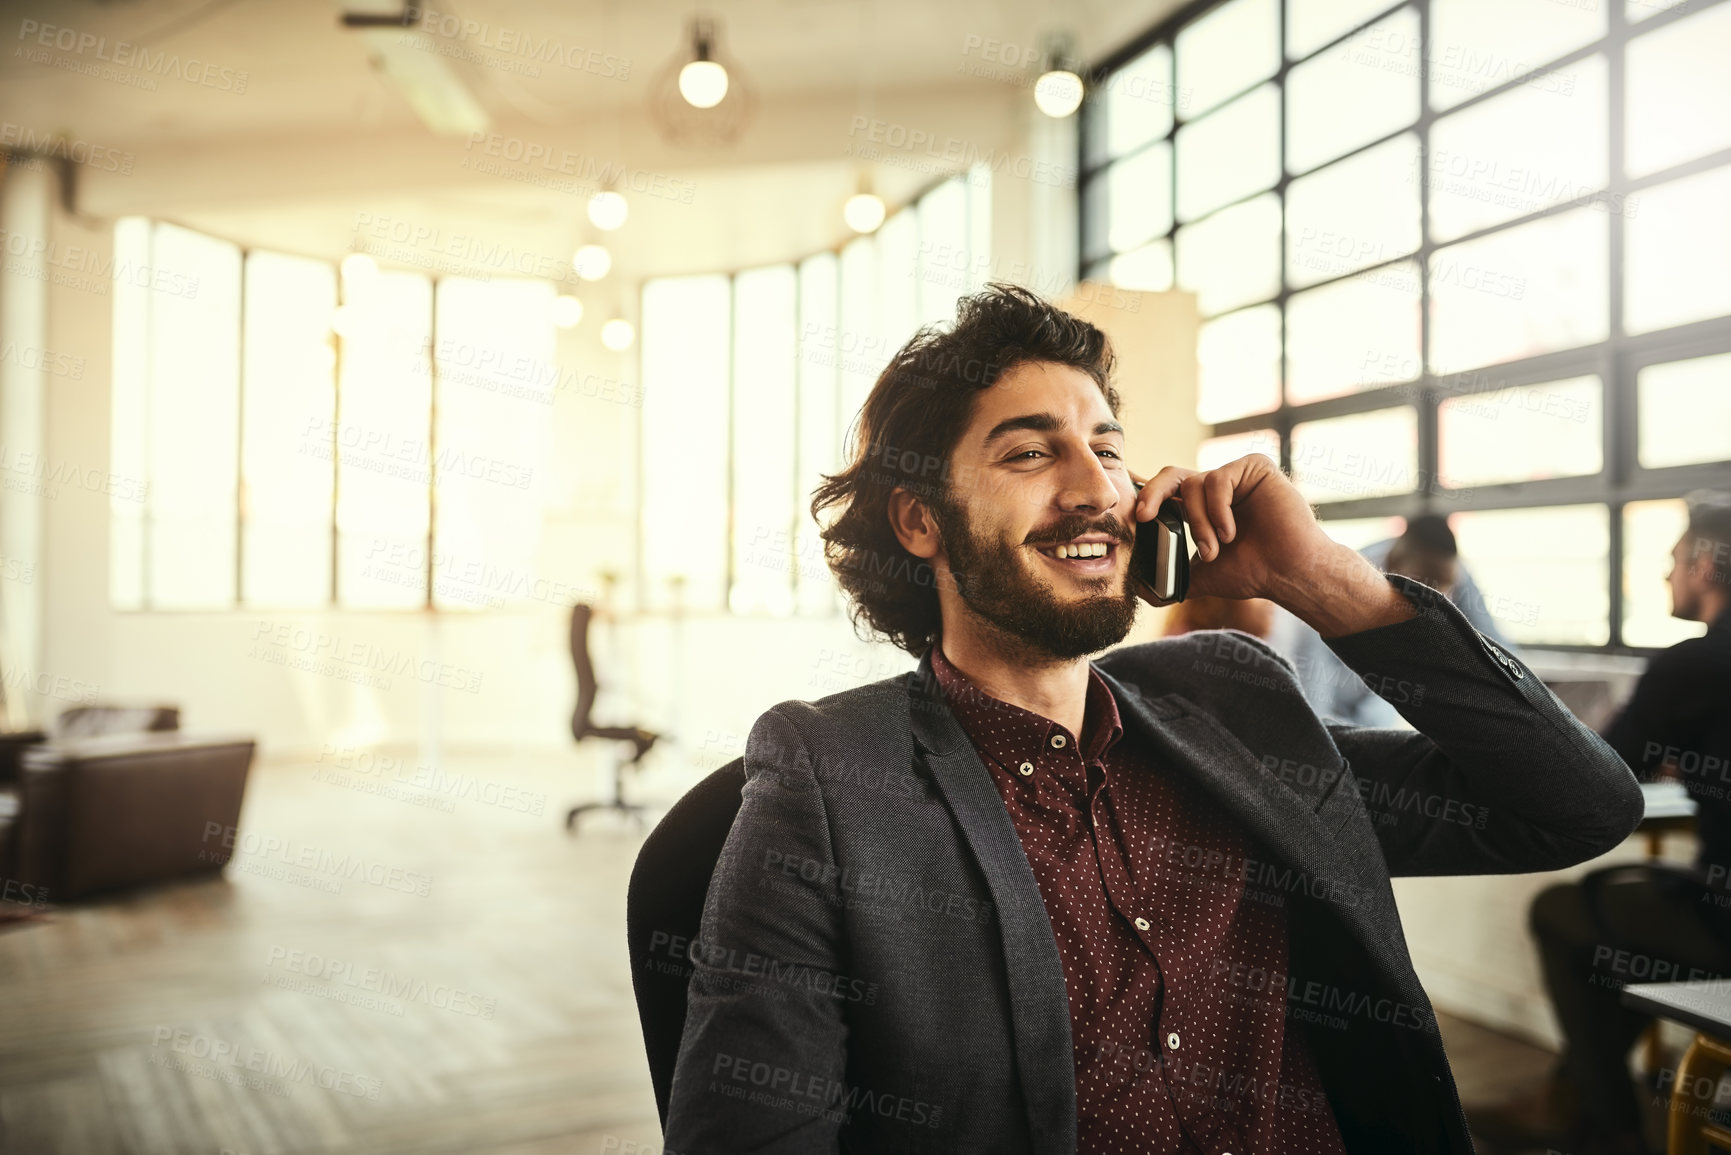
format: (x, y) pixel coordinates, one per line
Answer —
(1497, 776)
(763, 1056)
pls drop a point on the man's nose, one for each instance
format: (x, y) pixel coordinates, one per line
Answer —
(1087, 485)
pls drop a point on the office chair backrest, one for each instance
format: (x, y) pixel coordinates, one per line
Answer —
(664, 909)
(580, 616)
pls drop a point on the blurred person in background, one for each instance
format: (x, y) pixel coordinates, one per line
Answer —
(1675, 919)
(1426, 552)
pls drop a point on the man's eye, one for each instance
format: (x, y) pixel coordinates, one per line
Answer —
(1024, 453)
(1110, 452)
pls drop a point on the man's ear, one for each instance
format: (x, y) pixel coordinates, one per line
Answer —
(914, 525)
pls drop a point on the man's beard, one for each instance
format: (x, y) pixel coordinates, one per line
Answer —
(992, 581)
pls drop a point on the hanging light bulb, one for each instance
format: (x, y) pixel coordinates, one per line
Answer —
(1058, 92)
(618, 334)
(567, 311)
(360, 267)
(703, 81)
(863, 212)
(608, 210)
(592, 262)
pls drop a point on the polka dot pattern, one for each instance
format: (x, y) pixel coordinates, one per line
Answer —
(1175, 967)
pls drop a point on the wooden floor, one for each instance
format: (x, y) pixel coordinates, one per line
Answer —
(265, 1014)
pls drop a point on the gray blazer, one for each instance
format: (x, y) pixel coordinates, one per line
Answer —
(876, 971)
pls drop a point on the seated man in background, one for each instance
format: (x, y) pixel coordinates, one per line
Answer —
(1426, 552)
(1649, 921)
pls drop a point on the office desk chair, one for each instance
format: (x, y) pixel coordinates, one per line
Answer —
(664, 909)
(582, 726)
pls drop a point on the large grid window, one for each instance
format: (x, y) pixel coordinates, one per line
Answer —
(749, 380)
(292, 438)
(1467, 256)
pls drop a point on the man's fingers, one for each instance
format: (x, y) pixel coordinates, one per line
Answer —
(1161, 486)
(1217, 489)
(1196, 513)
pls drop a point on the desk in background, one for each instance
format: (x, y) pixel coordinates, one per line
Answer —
(1706, 1008)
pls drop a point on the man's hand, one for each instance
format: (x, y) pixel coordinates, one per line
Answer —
(1256, 537)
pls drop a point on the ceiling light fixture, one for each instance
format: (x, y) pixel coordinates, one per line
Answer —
(608, 210)
(700, 98)
(409, 58)
(617, 334)
(864, 210)
(359, 268)
(592, 262)
(567, 311)
(703, 81)
(1058, 92)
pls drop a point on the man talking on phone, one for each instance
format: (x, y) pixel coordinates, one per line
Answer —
(1018, 900)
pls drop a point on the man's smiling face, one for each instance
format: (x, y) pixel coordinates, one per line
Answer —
(1038, 534)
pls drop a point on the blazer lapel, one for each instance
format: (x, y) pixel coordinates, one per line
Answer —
(1039, 997)
(1193, 742)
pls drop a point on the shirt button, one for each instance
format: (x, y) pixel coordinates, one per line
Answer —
(1141, 924)
(1058, 741)
(1172, 1041)
(1026, 768)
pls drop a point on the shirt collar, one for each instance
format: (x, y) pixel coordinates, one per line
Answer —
(981, 714)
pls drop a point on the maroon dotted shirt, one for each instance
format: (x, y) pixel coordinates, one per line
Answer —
(1175, 967)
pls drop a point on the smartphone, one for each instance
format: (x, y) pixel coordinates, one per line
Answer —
(1160, 562)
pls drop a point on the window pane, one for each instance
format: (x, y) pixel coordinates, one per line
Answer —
(290, 389)
(1217, 451)
(860, 345)
(1362, 89)
(1139, 198)
(1226, 52)
(1135, 106)
(1477, 45)
(384, 415)
(764, 359)
(1349, 216)
(128, 444)
(1650, 531)
(979, 180)
(1684, 413)
(1552, 562)
(1312, 23)
(1533, 289)
(1518, 153)
(684, 526)
(1354, 334)
(1238, 364)
(1230, 154)
(1679, 89)
(1522, 434)
(1364, 455)
(492, 440)
(944, 259)
(819, 424)
(1232, 257)
(898, 246)
(1678, 265)
(1149, 268)
(194, 424)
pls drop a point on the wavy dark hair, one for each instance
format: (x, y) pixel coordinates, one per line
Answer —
(903, 437)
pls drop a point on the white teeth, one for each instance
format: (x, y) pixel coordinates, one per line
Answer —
(1085, 549)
